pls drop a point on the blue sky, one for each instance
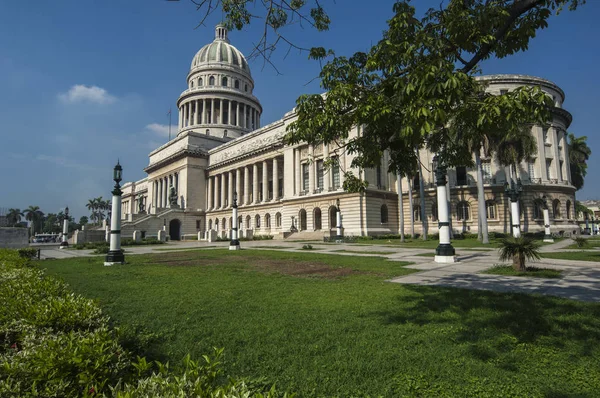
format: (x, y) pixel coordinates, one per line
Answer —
(83, 83)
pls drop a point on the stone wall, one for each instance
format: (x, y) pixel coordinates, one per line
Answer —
(14, 238)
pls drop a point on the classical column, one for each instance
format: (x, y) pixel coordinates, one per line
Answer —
(220, 119)
(559, 173)
(197, 113)
(212, 111)
(238, 181)
(265, 178)
(209, 194)
(246, 185)
(230, 190)
(275, 180)
(311, 169)
(255, 183)
(159, 201)
(204, 111)
(215, 192)
(237, 116)
(298, 171)
(327, 172)
(223, 188)
(229, 118)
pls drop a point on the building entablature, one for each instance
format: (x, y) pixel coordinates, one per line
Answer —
(514, 80)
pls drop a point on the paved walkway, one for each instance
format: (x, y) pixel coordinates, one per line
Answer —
(580, 280)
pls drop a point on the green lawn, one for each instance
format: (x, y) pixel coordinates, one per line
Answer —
(532, 272)
(363, 251)
(327, 325)
(583, 255)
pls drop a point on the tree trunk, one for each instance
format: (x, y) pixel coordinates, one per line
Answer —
(400, 207)
(424, 225)
(410, 208)
(519, 263)
(483, 225)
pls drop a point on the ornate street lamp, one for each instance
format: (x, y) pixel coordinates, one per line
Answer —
(547, 235)
(339, 238)
(115, 254)
(444, 253)
(65, 242)
(514, 192)
(235, 243)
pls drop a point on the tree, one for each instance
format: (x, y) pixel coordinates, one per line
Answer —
(14, 216)
(35, 216)
(519, 250)
(83, 220)
(52, 223)
(579, 154)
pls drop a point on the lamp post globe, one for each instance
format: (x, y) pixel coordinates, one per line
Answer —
(115, 254)
(234, 244)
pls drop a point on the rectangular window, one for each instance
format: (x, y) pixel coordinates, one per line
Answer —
(549, 168)
(531, 170)
(461, 175)
(335, 173)
(305, 177)
(378, 171)
(487, 172)
(198, 224)
(560, 170)
(280, 187)
(319, 174)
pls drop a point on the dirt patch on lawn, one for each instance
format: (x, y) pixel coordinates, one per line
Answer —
(302, 268)
(184, 259)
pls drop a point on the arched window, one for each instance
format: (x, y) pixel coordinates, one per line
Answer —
(434, 212)
(417, 212)
(224, 82)
(556, 208)
(216, 224)
(207, 131)
(248, 222)
(332, 217)
(209, 224)
(538, 209)
(211, 81)
(224, 223)
(237, 84)
(278, 220)
(463, 211)
(267, 220)
(302, 216)
(192, 84)
(200, 82)
(384, 214)
(246, 87)
(239, 225)
(568, 209)
(490, 210)
(257, 221)
(317, 219)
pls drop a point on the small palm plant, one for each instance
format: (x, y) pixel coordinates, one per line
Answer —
(519, 250)
(580, 241)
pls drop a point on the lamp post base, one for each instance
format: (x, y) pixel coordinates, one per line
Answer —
(114, 257)
(445, 253)
(63, 245)
(234, 245)
(548, 238)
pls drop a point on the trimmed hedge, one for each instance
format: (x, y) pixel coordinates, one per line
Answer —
(54, 343)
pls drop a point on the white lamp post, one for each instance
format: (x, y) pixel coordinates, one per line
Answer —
(547, 235)
(513, 192)
(115, 254)
(444, 253)
(235, 243)
(338, 215)
(65, 242)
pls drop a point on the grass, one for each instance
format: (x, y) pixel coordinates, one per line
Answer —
(327, 325)
(363, 251)
(271, 247)
(184, 248)
(532, 272)
(582, 255)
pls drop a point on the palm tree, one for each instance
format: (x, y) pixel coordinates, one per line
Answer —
(14, 216)
(92, 206)
(579, 154)
(35, 215)
(514, 148)
(519, 249)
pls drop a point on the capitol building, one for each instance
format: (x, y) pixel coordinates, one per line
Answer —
(222, 149)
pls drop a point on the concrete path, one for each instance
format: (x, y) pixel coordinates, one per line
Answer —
(580, 280)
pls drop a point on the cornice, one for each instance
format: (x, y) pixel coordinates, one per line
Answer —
(183, 153)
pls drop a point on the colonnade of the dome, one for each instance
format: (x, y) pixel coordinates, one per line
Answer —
(218, 111)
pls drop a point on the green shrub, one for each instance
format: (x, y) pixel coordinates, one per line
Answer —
(580, 241)
(102, 249)
(307, 247)
(28, 252)
(262, 237)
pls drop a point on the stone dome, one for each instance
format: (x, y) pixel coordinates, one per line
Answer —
(220, 52)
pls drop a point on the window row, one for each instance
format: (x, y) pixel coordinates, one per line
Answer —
(225, 82)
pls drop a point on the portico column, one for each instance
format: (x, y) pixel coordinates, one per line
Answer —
(216, 192)
(220, 119)
(159, 198)
(246, 185)
(297, 171)
(209, 194)
(255, 183)
(275, 180)
(223, 188)
(265, 178)
(197, 113)
(237, 116)
(166, 192)
(204, 111)
(212, 111)
(238, 182)
(327, 173)
(230, 190)
(311, 169)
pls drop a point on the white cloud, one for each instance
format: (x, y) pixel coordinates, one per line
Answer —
(81, 93)
(162, 129)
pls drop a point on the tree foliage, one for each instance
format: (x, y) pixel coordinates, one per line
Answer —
(579, 154)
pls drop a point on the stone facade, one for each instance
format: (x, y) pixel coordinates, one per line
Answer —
(221, 150)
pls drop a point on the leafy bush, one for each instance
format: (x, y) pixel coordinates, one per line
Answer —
(580, 241)
(28, 252)
(307, 247)
(102, 249)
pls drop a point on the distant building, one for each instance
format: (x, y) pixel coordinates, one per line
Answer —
(221, 148)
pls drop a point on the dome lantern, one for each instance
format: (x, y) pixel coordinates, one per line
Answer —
(221, 33)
